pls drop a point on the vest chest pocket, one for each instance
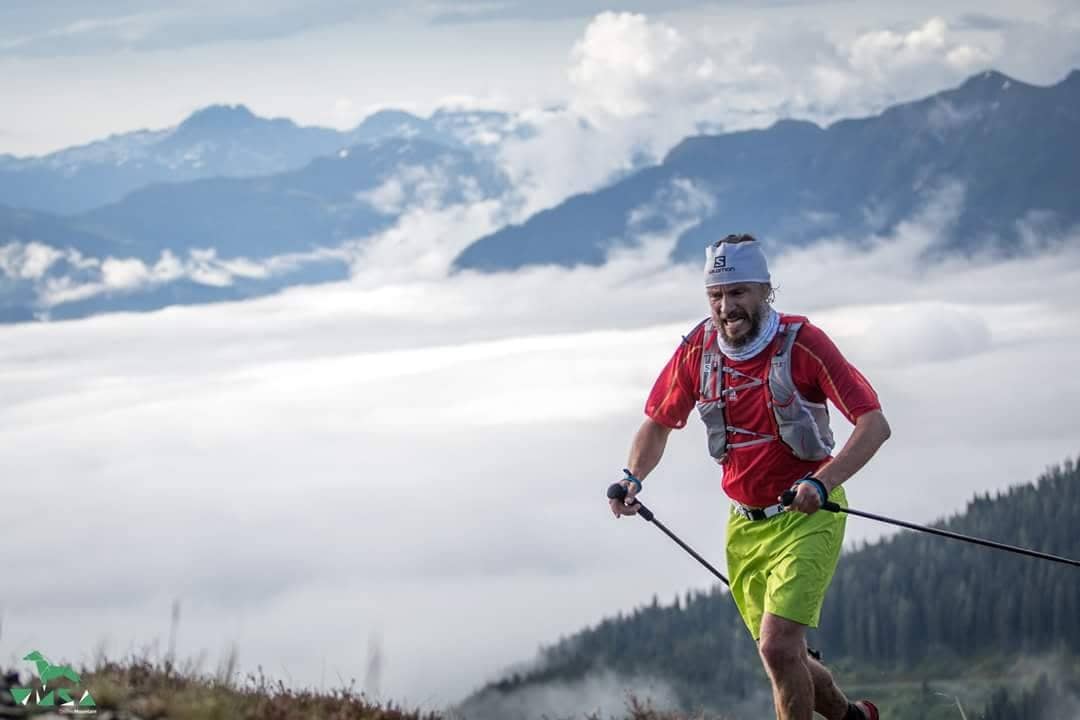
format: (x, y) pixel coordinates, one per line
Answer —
(712, 414)
(803, 425)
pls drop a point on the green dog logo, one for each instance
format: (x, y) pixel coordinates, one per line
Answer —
(47, 673)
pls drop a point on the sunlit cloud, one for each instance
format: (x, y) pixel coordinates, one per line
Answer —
(29, 261)
(131, 275)
(640, 85)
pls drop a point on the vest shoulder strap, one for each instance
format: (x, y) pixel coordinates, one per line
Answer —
(790, 331)
(687, 336)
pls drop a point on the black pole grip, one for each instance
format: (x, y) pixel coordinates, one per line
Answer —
(788, 497)
(616, 491)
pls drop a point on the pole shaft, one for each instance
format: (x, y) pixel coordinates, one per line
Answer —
(690, 550)
(964, 538)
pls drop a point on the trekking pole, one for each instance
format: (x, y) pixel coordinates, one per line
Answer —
(789, 497)
(617, 491)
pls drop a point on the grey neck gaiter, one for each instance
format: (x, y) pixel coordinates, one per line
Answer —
(769, 327)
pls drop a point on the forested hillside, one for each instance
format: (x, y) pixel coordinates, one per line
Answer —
(913, 605)
(916, 595)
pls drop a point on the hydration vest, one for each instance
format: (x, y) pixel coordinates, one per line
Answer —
(803, 425)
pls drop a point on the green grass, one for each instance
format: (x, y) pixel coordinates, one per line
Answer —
(146, 690)
(952, 688)
(140, 689)
(149, 690)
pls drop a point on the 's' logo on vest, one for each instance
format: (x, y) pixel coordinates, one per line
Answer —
(719, 262)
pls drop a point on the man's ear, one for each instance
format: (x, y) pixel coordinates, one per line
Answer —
(767, 291)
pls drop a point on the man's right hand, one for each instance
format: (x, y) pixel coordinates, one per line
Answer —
(627, 506)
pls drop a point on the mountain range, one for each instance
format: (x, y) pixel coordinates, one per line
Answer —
(1011, 146)
(300, 217)
(219, 141)
(228, 205)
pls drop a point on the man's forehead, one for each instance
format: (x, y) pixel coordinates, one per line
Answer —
(730, 287)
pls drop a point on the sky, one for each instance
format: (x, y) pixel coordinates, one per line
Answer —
(411, 464)
(124, 66)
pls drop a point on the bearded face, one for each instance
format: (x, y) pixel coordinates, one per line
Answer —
(738, 310)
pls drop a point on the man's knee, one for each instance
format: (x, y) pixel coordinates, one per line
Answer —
(780, 653)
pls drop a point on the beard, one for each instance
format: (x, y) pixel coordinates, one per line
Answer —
(754, 318)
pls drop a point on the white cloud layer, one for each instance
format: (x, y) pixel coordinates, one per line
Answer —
(424, 459)
(125, 275)
(28, 261)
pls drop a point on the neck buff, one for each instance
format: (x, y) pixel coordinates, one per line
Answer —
(769, 327)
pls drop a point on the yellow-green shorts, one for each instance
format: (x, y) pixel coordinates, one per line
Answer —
(784, 565)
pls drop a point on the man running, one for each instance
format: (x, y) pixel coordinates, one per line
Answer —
(760, 380)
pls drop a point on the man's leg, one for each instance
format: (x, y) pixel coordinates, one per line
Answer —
(783, 651)
(803, 557)
(829, 701)
(801, 685)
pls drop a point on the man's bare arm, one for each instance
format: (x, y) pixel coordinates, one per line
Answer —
(870, 433)
(645, 453)
(647, 448)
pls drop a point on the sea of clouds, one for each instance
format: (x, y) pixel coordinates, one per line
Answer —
(425, 459)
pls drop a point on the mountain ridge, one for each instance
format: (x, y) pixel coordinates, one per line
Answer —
(219, 140)
(1012, 146)
(303, 216)
(1006, 152)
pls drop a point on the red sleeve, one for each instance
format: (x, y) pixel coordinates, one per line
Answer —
(820, 371)
(674, 394)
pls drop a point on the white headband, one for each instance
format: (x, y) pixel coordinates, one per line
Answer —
(728, 263)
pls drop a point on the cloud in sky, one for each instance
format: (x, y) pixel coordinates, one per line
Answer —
(79, 277)
(77, 29)
(426, 457)
(466, 11)
(73, 28)
(731, 65)
(640, 85)
(107, 28)
(1038, 50)
(29, 261)
(628, 65)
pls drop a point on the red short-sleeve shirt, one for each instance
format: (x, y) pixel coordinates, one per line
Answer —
(756, 475)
